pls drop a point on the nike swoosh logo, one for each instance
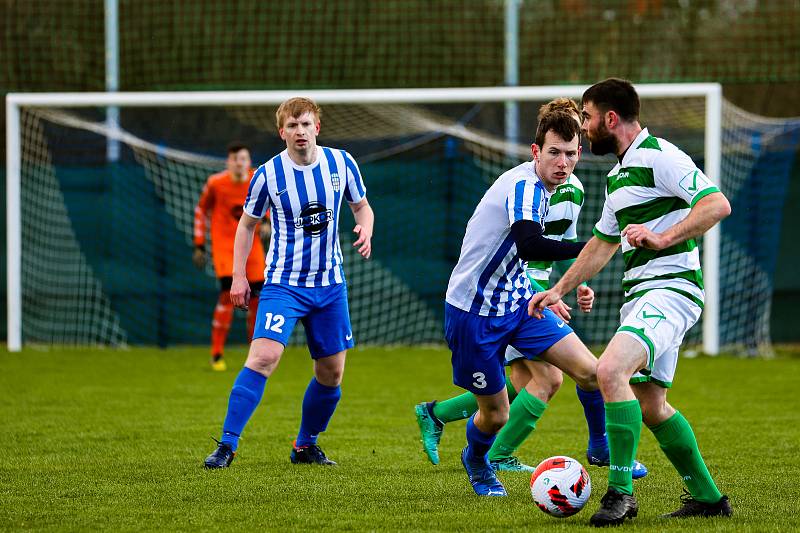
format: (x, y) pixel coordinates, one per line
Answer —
(281, 192)
(560, 324)
(349, 336)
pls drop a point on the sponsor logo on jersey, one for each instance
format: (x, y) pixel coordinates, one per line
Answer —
(335, 182)
(650, 315)
(314, 218)
(693, 181)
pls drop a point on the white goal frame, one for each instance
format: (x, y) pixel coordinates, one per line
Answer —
(712, 92)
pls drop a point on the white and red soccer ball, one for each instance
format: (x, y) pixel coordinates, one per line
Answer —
(560, 486)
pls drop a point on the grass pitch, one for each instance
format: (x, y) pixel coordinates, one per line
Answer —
(115, 440)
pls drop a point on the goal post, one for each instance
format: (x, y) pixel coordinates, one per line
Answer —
(15, 102)
(13, 225)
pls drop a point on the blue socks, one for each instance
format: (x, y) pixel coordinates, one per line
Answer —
(595, 413)
(478, 442)
(245, 396)
(319, 403)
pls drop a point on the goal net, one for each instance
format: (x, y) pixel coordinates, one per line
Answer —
(106, 246)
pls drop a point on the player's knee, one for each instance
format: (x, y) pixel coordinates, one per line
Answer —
(554, 382)
(330, 377)
(263, 359)
(330, 369)
(545, 385)
(608, 375)
(263, 364)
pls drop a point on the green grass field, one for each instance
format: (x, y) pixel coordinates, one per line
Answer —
(115, 440)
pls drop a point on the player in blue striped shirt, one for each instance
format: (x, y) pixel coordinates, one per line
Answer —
(488, 290)
(559, 224)
(303, 186)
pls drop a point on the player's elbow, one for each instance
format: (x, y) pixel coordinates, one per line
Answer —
(717, 205)
(723, 208)
(362, 205)
(248, 222)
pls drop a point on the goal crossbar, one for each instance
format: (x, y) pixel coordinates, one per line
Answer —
(711, 92)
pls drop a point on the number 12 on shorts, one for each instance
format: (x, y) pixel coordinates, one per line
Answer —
(274, 323)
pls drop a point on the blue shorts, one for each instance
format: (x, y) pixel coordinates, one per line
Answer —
(479, 344)
(323, 311)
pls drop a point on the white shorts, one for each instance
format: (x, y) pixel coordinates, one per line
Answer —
(658, 319)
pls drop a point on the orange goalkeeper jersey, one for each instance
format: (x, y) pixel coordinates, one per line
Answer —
(221, 204)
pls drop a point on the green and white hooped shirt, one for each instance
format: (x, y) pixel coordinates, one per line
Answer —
(560, 223)
(656, 184)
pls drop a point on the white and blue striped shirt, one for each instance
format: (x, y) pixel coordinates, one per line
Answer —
(489, 278)
(305, 200)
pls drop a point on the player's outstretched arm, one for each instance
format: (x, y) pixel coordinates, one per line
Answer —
(591, 260)
(242, 243)
(365, 222)
(532, 245)
(707, 212)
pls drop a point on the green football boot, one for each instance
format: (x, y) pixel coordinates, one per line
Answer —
(430, 430)
(510, 464)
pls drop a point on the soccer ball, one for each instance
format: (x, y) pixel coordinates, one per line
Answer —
(560, 486)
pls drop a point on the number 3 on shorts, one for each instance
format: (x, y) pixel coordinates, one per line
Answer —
(276, 325)
(480, 380)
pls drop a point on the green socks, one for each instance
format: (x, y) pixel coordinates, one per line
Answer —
(623, 427)
(462, 406)
(677, 439)
(456, 408)
(525, 411)
(675, 435)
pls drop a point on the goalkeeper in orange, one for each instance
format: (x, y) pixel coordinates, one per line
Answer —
(221, 203)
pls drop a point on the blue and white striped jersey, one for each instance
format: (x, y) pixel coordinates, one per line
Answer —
(305, 200)
(489, 278)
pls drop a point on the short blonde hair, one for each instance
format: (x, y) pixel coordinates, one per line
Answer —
(568, 105)
(294, 107)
